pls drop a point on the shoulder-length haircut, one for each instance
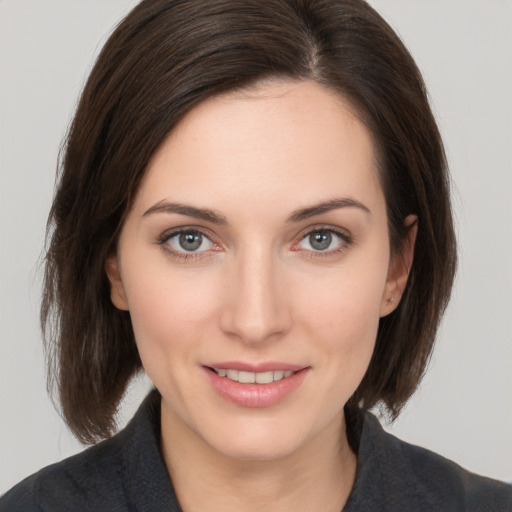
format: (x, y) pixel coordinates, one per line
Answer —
(162, 60)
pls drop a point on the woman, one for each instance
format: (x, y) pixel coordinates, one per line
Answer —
(254, 208)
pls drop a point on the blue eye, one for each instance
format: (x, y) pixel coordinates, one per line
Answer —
(189, 241)
(322, 240)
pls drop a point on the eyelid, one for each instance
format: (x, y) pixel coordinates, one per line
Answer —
(341, 232)
(186, 255)
(344, 235)
(168, 233)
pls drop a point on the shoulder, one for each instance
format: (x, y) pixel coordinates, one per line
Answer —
(92, 477)
(126, 472)
(394, 475)
(440, 473)
(441, 477)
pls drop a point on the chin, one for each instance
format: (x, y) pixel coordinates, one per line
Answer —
(262, 447)
(263, 439)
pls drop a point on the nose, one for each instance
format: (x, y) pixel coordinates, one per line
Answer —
(257, 305)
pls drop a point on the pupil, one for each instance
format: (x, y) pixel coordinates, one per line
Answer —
(320, 240)
(190, 241)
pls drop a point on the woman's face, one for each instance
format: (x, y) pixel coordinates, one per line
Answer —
(257, 250)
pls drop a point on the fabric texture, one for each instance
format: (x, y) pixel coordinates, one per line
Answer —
(128, 473)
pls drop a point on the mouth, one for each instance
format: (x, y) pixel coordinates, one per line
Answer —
(245, 377)
(255, 385)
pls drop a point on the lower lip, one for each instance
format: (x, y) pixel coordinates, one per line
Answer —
(255, 395)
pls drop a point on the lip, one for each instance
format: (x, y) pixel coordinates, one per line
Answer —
(255, 395)
(268, 366)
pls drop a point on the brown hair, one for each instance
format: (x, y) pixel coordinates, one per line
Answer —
(163, 59)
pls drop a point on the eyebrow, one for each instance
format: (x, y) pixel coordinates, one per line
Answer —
(190, 211)
(217, 218)
(327, 206)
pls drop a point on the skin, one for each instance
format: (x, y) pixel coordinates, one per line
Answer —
(257, 290)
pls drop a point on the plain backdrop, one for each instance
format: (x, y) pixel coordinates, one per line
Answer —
(463, 408)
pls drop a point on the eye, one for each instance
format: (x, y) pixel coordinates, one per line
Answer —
(323, 240)
(188, 242)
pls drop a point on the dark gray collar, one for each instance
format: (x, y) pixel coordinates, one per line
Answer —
(392, 476)
(145, 477)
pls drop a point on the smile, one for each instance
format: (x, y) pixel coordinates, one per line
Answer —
(245, 377)
(236, 383)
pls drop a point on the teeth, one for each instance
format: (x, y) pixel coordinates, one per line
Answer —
(278, 375)
(232, 374)
(251, 377)
(246, 377)
(265, 377)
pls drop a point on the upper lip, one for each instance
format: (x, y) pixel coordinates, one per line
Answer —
(268, 366)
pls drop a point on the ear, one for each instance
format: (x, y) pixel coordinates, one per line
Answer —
(399, 267)
(117, 293)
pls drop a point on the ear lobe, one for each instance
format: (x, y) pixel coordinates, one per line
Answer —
(399, 267)
(117, 293)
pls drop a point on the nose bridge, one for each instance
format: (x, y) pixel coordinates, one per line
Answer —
(256, 309)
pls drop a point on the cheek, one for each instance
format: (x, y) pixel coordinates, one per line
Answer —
(167, 310)
(342, 314)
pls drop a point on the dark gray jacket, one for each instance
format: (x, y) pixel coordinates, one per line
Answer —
(127, 473)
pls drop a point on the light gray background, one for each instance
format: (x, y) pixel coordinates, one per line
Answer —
(464, 47)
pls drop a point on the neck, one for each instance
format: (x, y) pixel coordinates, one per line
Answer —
(317, 476)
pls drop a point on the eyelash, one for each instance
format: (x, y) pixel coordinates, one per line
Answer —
(163, 242)
(345, 241)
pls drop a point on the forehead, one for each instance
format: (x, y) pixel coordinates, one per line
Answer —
(286, 139)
